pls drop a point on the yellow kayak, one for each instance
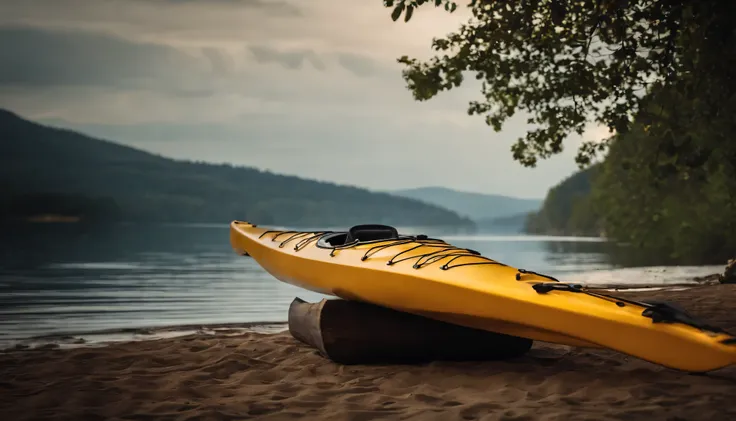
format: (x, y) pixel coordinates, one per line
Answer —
(429, 277)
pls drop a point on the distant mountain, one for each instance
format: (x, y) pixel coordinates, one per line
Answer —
(476, 206)
(513, 224)
(51, 171)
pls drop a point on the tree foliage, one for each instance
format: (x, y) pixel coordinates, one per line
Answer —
(668, 195)
(567, 63)
(672, 193)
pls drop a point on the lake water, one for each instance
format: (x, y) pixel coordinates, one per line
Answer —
(59, 279)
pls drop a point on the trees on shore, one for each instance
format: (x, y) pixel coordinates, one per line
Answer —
(657, 73)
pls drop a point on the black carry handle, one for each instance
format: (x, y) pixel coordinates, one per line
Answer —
(546, 287)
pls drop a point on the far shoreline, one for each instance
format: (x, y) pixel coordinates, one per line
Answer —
(104, 337)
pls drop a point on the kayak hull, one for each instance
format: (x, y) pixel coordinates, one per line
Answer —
(474, 291)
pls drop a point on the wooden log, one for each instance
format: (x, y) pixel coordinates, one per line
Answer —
(352, 332)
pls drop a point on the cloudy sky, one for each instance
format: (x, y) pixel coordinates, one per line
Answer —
(305, 87)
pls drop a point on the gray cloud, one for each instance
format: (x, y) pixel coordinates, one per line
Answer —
(289, 59)
(179, 78)
(273, 7)
(357, 64)
(222, 63)
(35, 58)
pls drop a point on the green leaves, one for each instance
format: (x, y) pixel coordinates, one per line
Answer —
(671, 191)
(408, 6)
(573, 63)
(409, 13)
(397, 11)
(557, 11)
(657, 73)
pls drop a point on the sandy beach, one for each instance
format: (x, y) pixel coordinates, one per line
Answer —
(272, 376)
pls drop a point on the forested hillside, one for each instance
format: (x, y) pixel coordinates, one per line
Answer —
(46, 170)
(671, 194)
(568, 208)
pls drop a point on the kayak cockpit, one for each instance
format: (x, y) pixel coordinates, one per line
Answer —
(359, 234)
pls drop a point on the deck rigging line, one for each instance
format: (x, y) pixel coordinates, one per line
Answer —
(430, 257)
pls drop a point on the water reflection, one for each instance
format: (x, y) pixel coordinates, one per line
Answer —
(75, 278)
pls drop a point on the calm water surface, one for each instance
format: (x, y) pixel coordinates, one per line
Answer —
(59, 279)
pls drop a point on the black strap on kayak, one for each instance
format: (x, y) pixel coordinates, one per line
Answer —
(420, 241)
(664, 312)
(439, 256)
(268, 232)
(394, 260)
(529, 272)
(487, 261)
(427, 256)
(306, 241)
(302, 236)
(430, 257)
(333, 249)
(293, 237)
(276, 237)
(460, 253)
(658, 311)
(545, 287)
(375, 249)
(305, 237)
